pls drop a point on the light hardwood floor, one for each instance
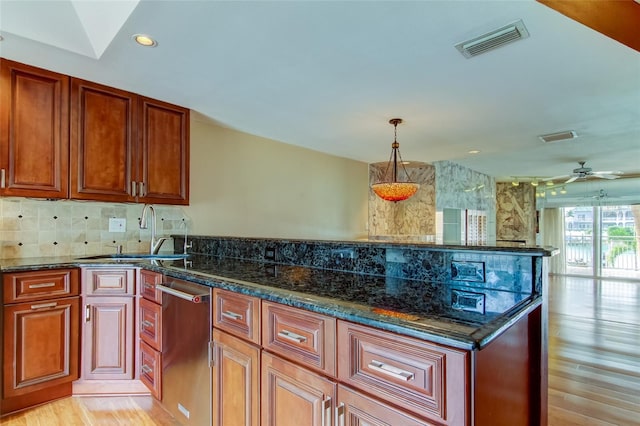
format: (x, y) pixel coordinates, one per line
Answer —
(594, 366)
(594, 352)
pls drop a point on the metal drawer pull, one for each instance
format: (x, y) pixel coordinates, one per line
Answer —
(146, 369)
(43, 285)
(326, 406)
(285, 334)
(194, 298)
(44, 305)
(232, 315)
(340, 412)
(390, 370)
(146, 323)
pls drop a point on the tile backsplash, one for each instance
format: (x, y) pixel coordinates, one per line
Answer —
(37, 228)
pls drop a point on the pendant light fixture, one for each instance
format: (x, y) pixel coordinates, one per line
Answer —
(390, 188)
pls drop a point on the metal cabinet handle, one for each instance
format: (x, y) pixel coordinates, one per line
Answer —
(87, 313)
(288, 335)
(143, 191)
(231, 315)
(146, 369)
(43, 285)
(44, 305)
(146, 323)
(340, 412)
(3, 182)
(133, 188)
(390, 370)
(194, 298)
(326, 409)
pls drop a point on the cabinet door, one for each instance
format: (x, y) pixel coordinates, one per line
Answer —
(148, 281)
(163, 166)
(103, 138)
(236, 381)
(293, 396)
(108, 341)
(151, 369)
(40, 345)
(34, 131)
(151, 324)
(355, 409)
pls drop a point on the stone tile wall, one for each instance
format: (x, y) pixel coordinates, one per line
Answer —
(38, 228)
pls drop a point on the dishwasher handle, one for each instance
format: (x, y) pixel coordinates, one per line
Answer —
(193, 298)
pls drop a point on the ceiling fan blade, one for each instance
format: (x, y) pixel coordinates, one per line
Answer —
(572, 179)
(610, 172)
(607, 176)
(555, 178)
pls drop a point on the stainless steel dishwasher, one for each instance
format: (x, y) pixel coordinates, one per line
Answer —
(186, 332)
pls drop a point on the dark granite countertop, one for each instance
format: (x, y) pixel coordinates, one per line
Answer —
(415, 308)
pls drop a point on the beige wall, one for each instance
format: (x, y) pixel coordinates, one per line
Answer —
(249, 186)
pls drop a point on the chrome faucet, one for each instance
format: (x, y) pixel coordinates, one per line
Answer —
(155, 244)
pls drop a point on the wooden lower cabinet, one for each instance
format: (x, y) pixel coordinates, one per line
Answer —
(108, 341)
(356, 409)
(40, 323)
(42, 340)
(236, 381)
(294, 396)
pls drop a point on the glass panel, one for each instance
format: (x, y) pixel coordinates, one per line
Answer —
(619, 241)
(578, 240)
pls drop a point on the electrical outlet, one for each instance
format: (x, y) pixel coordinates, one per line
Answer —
(117, 224)
(342, 258)
(270, 253)
(467, 271)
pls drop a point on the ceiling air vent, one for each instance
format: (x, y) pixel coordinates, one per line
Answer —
(560, 136)
(494, 39)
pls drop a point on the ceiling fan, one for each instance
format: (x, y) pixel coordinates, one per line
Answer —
(583, 172)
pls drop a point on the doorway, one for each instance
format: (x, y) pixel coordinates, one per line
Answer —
(601, 241)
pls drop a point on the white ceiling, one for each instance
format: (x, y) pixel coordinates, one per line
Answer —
(328, 75)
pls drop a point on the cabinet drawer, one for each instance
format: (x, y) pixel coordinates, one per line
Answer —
(237, 314)
(300, 335)
(38, 285)
(148, 281)
(108, 281)
(151, 369)
(151, 324)
(422, 377)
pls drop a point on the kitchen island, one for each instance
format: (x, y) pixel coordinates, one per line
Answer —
(485, 303)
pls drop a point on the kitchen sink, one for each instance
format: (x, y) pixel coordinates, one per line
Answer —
(136, 256)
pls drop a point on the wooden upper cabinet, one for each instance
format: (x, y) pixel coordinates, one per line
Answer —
(125, 147)
(103, 142)
(163, 163)
(34, 132)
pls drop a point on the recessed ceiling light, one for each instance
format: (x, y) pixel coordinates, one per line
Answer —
(144, 40)
(474, 151)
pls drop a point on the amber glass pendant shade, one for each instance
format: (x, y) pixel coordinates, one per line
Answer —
(395, 191)
(390, 189)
